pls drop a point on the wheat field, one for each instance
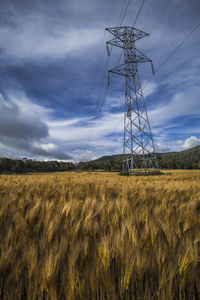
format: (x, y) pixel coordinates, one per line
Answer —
(100, 236)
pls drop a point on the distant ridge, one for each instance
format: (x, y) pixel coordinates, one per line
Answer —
(194, 151)
(109, 157)
(185, 159)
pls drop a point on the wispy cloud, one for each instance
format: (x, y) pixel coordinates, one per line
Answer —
(185, 103)
(32, 44)
(149, 88)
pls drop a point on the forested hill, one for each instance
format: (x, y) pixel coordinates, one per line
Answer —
(187, 159)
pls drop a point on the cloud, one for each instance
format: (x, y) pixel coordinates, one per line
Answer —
(79, 129)
(114, 102)
(149, 88)
(32, 45)
(181, 104)
(161, 148)
(191, 142)
(45, 33)
(23, 132)
(14, 123)
(5, 153)
(27, 106)
(83, 155)
(59, 124)
(99, 135)
(50, 151)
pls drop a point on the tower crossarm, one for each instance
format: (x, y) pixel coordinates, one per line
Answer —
(123, 69)
(119, 70)
(121, 33)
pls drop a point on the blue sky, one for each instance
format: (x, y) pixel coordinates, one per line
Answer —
(54, 100)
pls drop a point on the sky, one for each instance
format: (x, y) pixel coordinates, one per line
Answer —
(55, 103)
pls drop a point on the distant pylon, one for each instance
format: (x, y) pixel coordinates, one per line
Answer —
(139, 153)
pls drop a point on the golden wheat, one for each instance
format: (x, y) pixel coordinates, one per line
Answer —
(100, 236)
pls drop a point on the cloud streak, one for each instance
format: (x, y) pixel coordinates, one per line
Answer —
(182, 104)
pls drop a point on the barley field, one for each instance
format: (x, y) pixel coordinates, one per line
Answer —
(100, 236)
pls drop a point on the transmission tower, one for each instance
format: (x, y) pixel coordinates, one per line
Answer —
(139, 151)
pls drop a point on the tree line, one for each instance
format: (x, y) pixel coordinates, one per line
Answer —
(25, 165)
(188, 159)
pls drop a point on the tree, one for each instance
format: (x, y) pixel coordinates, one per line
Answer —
(19, 167)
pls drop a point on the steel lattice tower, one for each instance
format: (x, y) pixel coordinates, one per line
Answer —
(139, 151)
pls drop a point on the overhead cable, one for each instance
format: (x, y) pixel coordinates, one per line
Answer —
(138, 13)
(162, 14)
(164, 62)
(157, 22)
(123, 12)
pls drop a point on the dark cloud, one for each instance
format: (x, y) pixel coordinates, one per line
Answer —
(59, 85)
(50, 151)
(16, 123)
(51, 61)
(21, 130)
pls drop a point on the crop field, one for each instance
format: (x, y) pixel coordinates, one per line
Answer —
(100, 236)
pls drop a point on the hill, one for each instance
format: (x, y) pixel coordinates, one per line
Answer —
(186, 159)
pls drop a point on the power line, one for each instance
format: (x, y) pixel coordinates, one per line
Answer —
(177, 47)
(121, 13)
(157, 22)
(103, 99)
(101, 105)
(95, 120)
(109, 14)
(172, 54)
(125, 12)
(97, 101)
(138, 13)
(112, 133)
(102, 49)
(162, 14)
(99, 110)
